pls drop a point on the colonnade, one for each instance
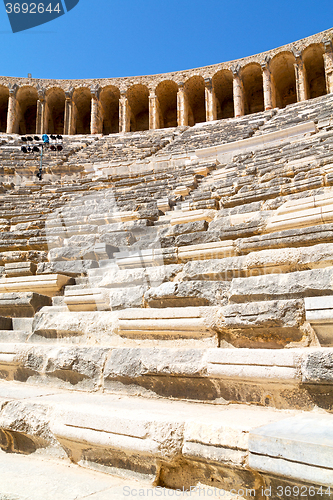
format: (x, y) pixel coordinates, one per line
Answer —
(288, 77)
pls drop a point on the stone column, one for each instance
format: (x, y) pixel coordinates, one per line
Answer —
(11, 113)
(154, 111)
(301, 80)
(210, 100)
(269, 101)
(328, 63)
(182, 106)
(238, 92)
(96, 122)
(40, 117)
(68, 118)
(124, 113)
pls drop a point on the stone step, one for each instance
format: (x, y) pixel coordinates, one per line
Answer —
(173, 443)
(47, 478)
(46, 284)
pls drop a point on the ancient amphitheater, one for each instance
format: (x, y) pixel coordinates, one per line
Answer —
(166, 290)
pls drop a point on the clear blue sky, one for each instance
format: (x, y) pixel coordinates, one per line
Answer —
(109, 38)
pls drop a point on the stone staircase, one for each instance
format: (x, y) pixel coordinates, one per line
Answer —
(181, 342)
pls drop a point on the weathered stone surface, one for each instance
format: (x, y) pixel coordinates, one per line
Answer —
(69, 268)
(267, 324)
(274, 286)
(197, 238)
(84, 252)
(20, 269)
(194, 293)
(23, 256)
(149, 276)
(80, 367)
(70, 326)
(136, 362)
(317, 367)
(299, 448)
(23, 304)
(123, 298)
(116, 240)
(189, 227)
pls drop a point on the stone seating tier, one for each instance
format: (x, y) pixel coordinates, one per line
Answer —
(195, 345)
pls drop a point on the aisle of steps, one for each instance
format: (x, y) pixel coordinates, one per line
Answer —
(180, 347)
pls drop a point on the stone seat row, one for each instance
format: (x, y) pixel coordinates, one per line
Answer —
(238, 447)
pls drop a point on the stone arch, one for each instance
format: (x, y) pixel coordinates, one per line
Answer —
(223, 88)
(4, 96)
(138, 99)
(315, 70)
(26, 110)
(283, 72)
(109, 101)
(54, 110)
(166, 93)
(195, 92)
(251, 76)
(82, 110)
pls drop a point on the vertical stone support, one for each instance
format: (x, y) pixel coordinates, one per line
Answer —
(69, 113)
(182, 106)
(210, 100)
(269, 97)
(124, 113)
(96, 121)
(238, 91)
(154, 111)
(328, 63)
(40, 117)
(11, 113)
(301, 79)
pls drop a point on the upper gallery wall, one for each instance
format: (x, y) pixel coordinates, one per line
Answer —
(292, 73)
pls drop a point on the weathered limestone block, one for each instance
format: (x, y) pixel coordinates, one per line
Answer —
(183, 217)
(289, 238)
(23, 256)
(283, 286)
(199, 237)
(116, 240)
(268, 324)
(193, 293)
(122, 298)
(20, 269)
(131, 363)
(214, 250)
(263, 262)
(23, 304)
(298, 448)
(319, 313)
(69, 268)
(146, 257)
(189, 227)
(92, 251)
(178, 322)
(48, 284)
(80, 367)
(87, 299)
(152, 276)
(49, 325)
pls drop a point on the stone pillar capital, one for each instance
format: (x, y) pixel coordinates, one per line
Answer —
(123, 94)
(327, 42)
(69, 94)
(13, 89)
(181, 86)
(95, 91)
(235, 70)
(265, 64)
(41, 94)
(209, 83)
(298, 57)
